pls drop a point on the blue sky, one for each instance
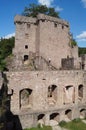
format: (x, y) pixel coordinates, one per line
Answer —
(74, 11)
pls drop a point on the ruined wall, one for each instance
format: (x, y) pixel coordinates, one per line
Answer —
(77, 60)
(38, 82)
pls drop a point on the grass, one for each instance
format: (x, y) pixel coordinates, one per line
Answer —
(76, 124)
(38, 128)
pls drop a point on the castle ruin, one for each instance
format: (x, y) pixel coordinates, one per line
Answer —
(47, 78)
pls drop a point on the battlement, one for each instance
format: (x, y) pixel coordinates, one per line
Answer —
(23, 19)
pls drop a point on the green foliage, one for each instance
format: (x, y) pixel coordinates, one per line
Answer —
(77, 120)
(82, 50)
(38, 128)
(33, 10)
(6, 46)
(73, 42)
(62, 123)
(76, 124)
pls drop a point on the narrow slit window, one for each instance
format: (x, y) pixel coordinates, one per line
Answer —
(62, 26)
(28, 25)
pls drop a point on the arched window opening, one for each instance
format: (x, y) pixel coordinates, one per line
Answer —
(68, 115)
(69, 94)
(26, 57)
(80, 92)
(83, 113)
(52, 94)
(26, 98)
(41, 116)
(41, 119)
(54, 119)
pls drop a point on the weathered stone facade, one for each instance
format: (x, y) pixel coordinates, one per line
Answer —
(55, 89)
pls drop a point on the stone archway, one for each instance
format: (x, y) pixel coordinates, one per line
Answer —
(41, 119)
(83, 113)
(25, 98)
(69, 94)
(68, 115)
(54, 119)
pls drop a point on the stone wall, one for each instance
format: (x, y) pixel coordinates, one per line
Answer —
(39, 83)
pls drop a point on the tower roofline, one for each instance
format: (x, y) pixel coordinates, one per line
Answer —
(24, 19)
(52, 19)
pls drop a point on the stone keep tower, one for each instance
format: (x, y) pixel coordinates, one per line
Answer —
(43, 36)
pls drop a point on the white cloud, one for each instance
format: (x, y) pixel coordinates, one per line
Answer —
(82, 36)
(9, 36)
(48, 3)
(84, 2)
(58, 9)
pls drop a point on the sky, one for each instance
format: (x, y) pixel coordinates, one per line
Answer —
(73, 11)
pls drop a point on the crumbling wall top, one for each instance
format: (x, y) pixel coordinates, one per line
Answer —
(52, 19)
(24, 19)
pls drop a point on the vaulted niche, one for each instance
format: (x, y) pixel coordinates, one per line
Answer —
(68, 115)
(25, 98)
(52, 94)
(55, 117)
(83, 113)
(69, 94)
(41, 119)
(80, 92)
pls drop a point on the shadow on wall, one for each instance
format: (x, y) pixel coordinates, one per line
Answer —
(8, 121)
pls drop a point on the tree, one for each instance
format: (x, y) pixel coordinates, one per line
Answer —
(73, 42)
(33, 10)
(6, 46)
(82, 50)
